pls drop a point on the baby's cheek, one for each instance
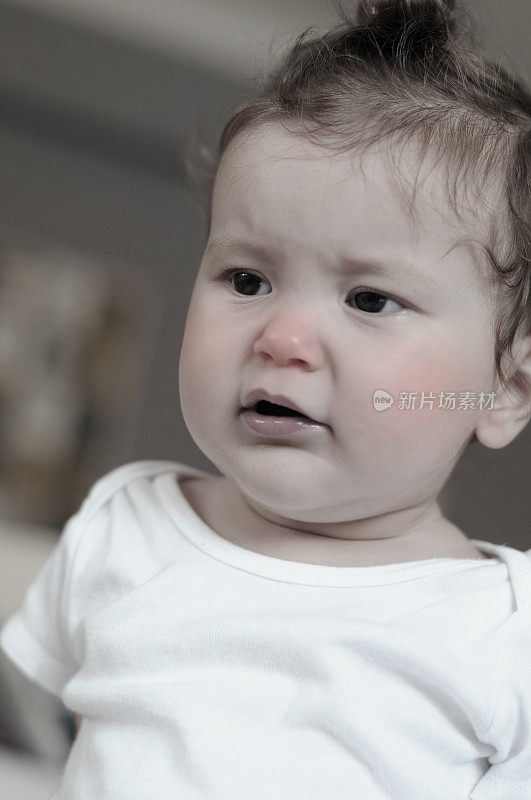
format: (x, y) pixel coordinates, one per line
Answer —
(427, 396)
(422, 384)
(195, 359)
(201, 339)
(206, 369)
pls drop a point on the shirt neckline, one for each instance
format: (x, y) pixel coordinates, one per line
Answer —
(212, 543)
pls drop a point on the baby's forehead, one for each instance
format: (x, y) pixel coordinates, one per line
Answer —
(430, 192)
(424, 179)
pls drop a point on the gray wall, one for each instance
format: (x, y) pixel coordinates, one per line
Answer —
(90, 131)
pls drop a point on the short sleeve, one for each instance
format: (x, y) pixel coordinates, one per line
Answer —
(509, 776)
(43, 637)
(37, 637)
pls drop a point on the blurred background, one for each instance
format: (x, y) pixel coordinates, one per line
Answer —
(100, 239)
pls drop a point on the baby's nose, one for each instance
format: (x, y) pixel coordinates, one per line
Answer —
(290, 339)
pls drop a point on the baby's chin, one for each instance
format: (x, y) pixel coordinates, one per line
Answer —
(309, 499)
(324, 484)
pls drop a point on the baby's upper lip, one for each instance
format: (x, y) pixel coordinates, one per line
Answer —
(279, 399)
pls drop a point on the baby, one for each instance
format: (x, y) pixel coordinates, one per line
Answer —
(308, 625)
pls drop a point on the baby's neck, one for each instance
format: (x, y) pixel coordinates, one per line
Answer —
(224, 509)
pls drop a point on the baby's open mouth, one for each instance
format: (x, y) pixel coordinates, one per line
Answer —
(274, 410)
(273, 419)
(269, 409)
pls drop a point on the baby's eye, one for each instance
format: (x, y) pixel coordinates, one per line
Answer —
(373, 302)
(243, 282)
(247, 283)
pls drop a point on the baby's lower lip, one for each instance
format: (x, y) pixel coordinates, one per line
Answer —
(268, 425)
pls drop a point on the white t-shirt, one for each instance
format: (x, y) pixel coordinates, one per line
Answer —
(205, 671)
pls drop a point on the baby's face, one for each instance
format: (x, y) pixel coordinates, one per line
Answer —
(314, 234)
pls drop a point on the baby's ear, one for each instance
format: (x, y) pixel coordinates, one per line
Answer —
(498, 426)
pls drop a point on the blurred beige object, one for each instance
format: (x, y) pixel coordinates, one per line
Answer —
(69, 358)
(52, 305)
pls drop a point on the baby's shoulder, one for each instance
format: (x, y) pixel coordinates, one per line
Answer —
(122, 476)
(123, 511)
(123, 534)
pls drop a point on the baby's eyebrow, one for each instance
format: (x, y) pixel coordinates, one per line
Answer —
(228, 243)
(344, 266)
